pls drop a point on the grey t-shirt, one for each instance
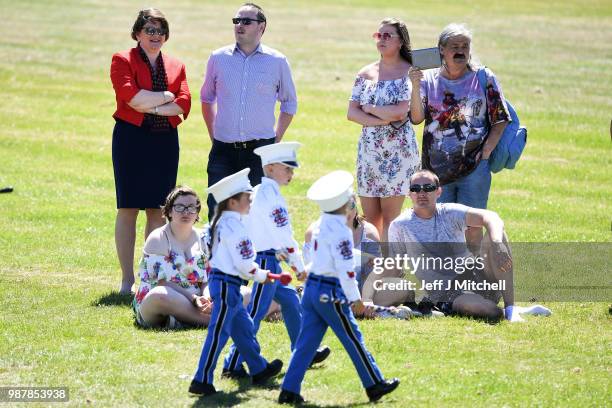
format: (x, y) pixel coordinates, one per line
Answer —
(447, 225)
(435, 239)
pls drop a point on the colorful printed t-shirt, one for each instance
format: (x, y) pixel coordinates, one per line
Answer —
(457, 121)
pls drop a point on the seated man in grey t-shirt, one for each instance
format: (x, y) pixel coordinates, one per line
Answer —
(435, 234)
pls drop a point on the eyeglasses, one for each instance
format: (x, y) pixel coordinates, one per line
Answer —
(428, 188)
(191, 209)
(384, 36)
(244, 20)
(154, 30)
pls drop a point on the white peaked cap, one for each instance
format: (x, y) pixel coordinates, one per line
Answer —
(332, 191)
(283, 152)
(231, 185)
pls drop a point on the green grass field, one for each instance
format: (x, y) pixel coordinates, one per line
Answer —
(60, 324)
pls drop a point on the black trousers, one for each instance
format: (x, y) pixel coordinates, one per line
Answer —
(226, 159)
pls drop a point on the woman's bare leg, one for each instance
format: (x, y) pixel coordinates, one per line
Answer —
(162, 301)
(125, 237)
(154, 220)
(391, 207)
(372, 211)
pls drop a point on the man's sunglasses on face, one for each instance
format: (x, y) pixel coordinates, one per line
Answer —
(244, 20)
(428, 188)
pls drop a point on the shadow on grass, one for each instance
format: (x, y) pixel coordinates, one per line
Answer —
(181, 327)
(224, 399)
(113, 298)
(309, 404)
(229, 399)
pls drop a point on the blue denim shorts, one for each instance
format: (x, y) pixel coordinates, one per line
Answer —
(471, 190)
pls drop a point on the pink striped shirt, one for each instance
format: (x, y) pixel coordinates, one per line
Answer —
(246, 89)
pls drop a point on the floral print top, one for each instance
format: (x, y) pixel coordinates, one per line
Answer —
(188, 273)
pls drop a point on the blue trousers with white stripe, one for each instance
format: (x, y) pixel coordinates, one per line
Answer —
(261, 298)
(317, 317)
(229, 319)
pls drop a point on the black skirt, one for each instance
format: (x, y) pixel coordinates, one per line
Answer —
(145, 165)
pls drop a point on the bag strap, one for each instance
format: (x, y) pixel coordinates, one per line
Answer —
(481, 75)
(482, 79)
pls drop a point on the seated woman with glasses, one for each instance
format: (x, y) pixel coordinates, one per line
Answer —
(173, 268)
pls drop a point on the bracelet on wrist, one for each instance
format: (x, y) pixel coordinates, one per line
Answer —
(194, 300)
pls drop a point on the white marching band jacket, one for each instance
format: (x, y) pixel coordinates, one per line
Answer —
(332, 253)
(232, 250)
(268, 223)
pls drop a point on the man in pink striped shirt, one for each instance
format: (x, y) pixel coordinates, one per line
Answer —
(243, 82)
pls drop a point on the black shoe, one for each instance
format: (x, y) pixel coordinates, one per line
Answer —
(235, 374)
(288, 397)
(205, 389)
(376, 391)
(271, 370)
(322, 353)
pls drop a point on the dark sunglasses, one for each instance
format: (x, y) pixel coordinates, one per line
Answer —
(154, 30)
(428, 188)
(191, 209)
(245, 20)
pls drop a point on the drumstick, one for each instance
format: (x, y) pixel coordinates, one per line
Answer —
(284, 278)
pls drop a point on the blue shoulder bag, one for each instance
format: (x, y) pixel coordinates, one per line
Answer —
(512, 141)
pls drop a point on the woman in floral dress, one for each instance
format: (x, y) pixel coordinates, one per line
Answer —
(173, 267)
(387, 152)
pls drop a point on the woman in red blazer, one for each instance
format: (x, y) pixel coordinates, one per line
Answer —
(151, 92)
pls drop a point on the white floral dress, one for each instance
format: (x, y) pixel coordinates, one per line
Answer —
(386, 156)
(189, 273)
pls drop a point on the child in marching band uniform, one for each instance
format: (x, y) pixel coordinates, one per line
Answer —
(331, 276)
(269, 227)
(232, 263)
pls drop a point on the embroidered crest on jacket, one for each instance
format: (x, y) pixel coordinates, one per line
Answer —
(280, 216)
(345, 249)
(246, 248)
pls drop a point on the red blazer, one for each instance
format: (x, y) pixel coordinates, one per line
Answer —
(129, 74)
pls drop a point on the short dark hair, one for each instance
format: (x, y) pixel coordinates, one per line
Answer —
(177, 192)
(427, 173)
(150, 14)
(260, 13)
(358, 220)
